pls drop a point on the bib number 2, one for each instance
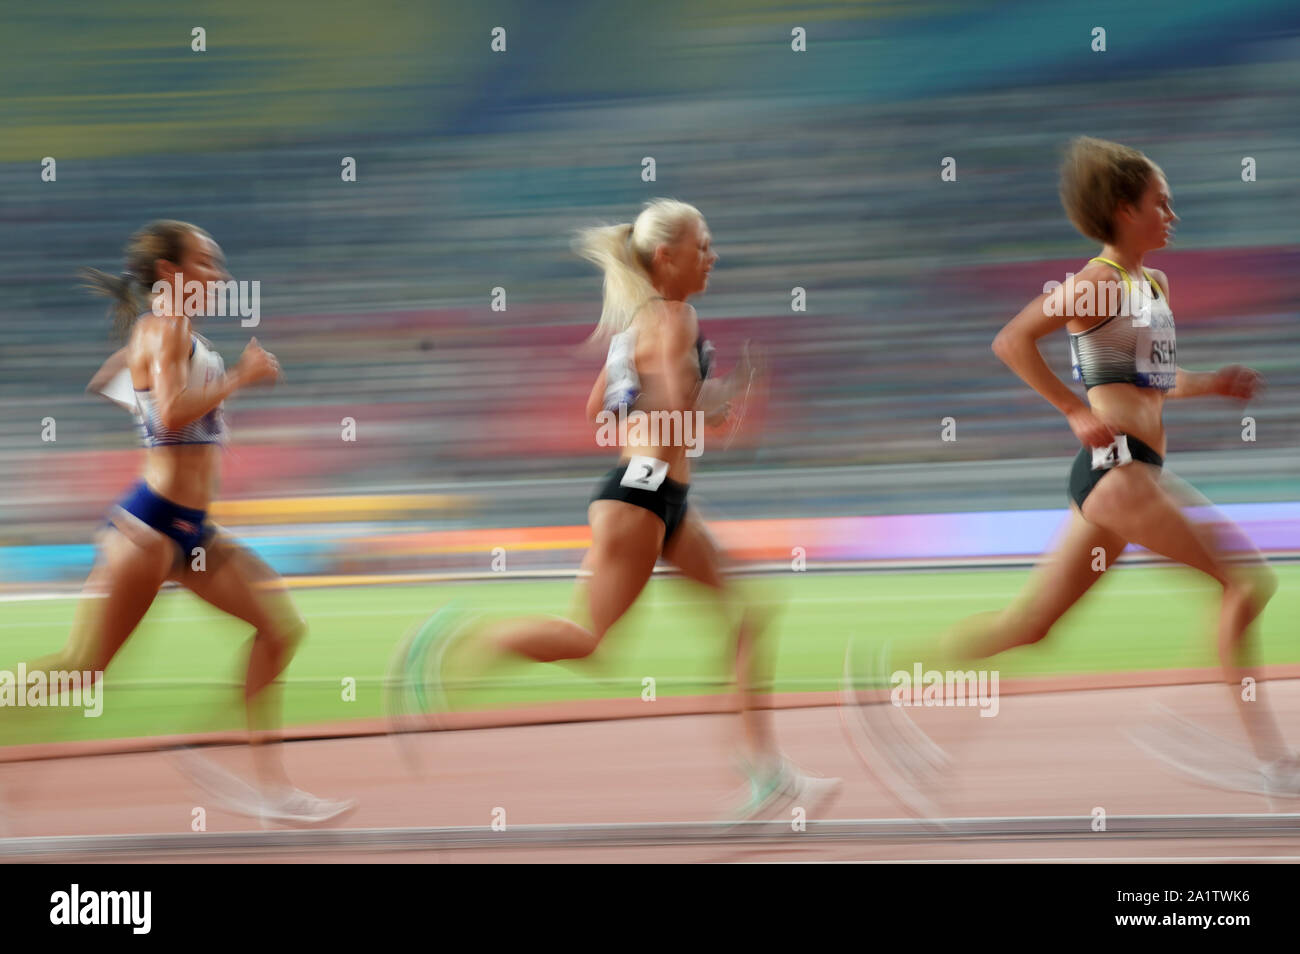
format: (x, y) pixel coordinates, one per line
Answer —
(1114, 454)
(644, 473)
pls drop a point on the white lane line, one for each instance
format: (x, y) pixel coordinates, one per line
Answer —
(1137, 859)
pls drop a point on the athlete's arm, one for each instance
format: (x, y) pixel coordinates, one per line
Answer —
(1232, 381)
(1163, 280)
(717, 395)
(178, 403)
(715, 399)
(110, 368)
(1017, 345)
(1188, 384)
(681, 379)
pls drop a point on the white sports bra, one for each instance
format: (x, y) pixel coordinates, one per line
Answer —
(205, 367)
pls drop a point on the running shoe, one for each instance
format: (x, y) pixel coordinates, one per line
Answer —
(227, 789)
(293, 806)
(1282, 776)
(889, 744)
(235, 794)
(780, 786)
(1199, 754)
(414, 691)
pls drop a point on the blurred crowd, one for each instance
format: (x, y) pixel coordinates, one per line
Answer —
(377, 294)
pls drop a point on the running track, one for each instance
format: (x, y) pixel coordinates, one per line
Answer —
(1049, 754)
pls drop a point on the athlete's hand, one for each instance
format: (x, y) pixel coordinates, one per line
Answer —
(1235, 381)
(752, 366)
(257, 364)
(751, 370)
(718, 415)
(1089, 428)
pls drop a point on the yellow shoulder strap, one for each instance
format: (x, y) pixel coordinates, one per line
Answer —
(1155, 285)
(1128, 281)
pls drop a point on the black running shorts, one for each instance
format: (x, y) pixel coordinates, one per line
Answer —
(1083, 478)
(667, 502)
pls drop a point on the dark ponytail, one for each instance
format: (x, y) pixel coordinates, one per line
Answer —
(129, 292)
(126, 304)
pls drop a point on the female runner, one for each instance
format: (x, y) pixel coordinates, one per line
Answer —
(159, 530)
(657, 361)
(1119, 490)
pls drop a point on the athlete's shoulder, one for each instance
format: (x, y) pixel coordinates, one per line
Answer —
(159, 336)
(1080, 287)
(1096, 272)
(679, 317)
(1163, 279)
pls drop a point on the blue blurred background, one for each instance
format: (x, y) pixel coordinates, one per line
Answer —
(817, 169)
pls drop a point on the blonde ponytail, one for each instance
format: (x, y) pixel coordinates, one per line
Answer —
(625, 254)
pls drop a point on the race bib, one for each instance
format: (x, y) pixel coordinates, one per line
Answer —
(1155, 354)
(644, 473)
(1114, 454)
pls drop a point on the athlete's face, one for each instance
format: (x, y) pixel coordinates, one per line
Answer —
(1151, 223)
(201, 261)
(693, 258)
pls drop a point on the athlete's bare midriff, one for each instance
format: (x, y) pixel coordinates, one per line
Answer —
(1127, 408)
(656, 394)
(185, 474)
(1131, 410)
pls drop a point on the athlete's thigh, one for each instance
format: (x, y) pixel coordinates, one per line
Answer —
(1133, 501)
(1227, 541)
(625, 544)
(130, 570)
(114, 553)
(85, 620)
(1081, 554)
(695, 553)
(237, 581)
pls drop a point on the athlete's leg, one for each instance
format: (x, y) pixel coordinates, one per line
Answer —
(1138, 503)
(236, 581)
(130, 568)
(1083, 553)
(625, 543)
(1224, 539)
(1244, 562)
(116, 595)
(697, 555)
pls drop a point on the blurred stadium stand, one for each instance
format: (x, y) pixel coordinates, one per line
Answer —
(818, 170)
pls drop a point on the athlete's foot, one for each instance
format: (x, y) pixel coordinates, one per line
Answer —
(293, 806)
(779, 785)
(227, 789)
(415, 687)
(1282, 776)
(1199, 754)
(814, 793)
(891, 746)
(267, 803)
